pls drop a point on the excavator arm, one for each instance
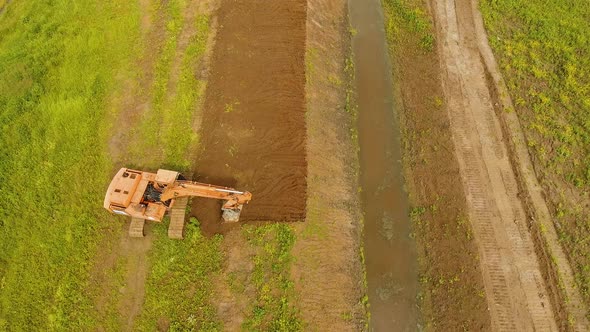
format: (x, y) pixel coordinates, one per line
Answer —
(234, 200)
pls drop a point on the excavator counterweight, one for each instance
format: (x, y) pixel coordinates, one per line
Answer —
(149, 196)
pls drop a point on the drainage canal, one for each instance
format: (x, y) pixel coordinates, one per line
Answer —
(390, 253)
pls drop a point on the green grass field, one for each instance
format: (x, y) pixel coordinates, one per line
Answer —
(62, 67)
(57, 68)
(274, 307)
(543, 49)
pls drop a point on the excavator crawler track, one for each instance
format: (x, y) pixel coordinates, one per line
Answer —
(177, 216)
(136, 227)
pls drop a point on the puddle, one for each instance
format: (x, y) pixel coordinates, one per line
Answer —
(390, 252)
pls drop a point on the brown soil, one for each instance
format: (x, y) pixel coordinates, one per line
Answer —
(253, 125)
(452, 292)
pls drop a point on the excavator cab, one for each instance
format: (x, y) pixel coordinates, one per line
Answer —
(149, 196)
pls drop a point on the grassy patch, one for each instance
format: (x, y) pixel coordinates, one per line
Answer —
(177, 128)
(149, 129)
(57, 66)
(544, 53)
(543, 49)
(179, 286)
(167, 126)
(409, 16)
(273, 308)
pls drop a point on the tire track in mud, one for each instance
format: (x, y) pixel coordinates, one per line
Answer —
(517, 295)
(571, 308)
(253, 125)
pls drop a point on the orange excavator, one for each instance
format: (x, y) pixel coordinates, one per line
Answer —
(149, 196)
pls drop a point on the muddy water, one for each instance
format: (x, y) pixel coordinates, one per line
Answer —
(389, 250)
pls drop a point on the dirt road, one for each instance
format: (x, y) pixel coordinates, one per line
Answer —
(517, 293)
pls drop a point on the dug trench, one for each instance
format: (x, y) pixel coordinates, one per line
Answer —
(253, 124)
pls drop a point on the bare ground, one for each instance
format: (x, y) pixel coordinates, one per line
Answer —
(252, 134)
(328, 273)
(135, 255)
(234, 287)
(253, 124)
(452, 296)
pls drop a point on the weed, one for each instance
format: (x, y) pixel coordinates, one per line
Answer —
(543, 51)
(273, 308)
(179, 285)
(438, 101)
(233, 150)
(230, 107)
(310, 57)
(334, 80)
(407, 16)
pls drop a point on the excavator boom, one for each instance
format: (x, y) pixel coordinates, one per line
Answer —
(189, 188)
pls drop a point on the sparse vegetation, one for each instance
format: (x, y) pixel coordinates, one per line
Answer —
(543, 50)
(167, 125)
(450, 279)
(274, 308)
(178, 137)
(545, 57)
(180, 285)
(409, 17)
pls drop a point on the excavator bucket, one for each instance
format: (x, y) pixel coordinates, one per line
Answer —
(232, 215)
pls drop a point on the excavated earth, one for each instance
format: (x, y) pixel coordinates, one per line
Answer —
(253, 126)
